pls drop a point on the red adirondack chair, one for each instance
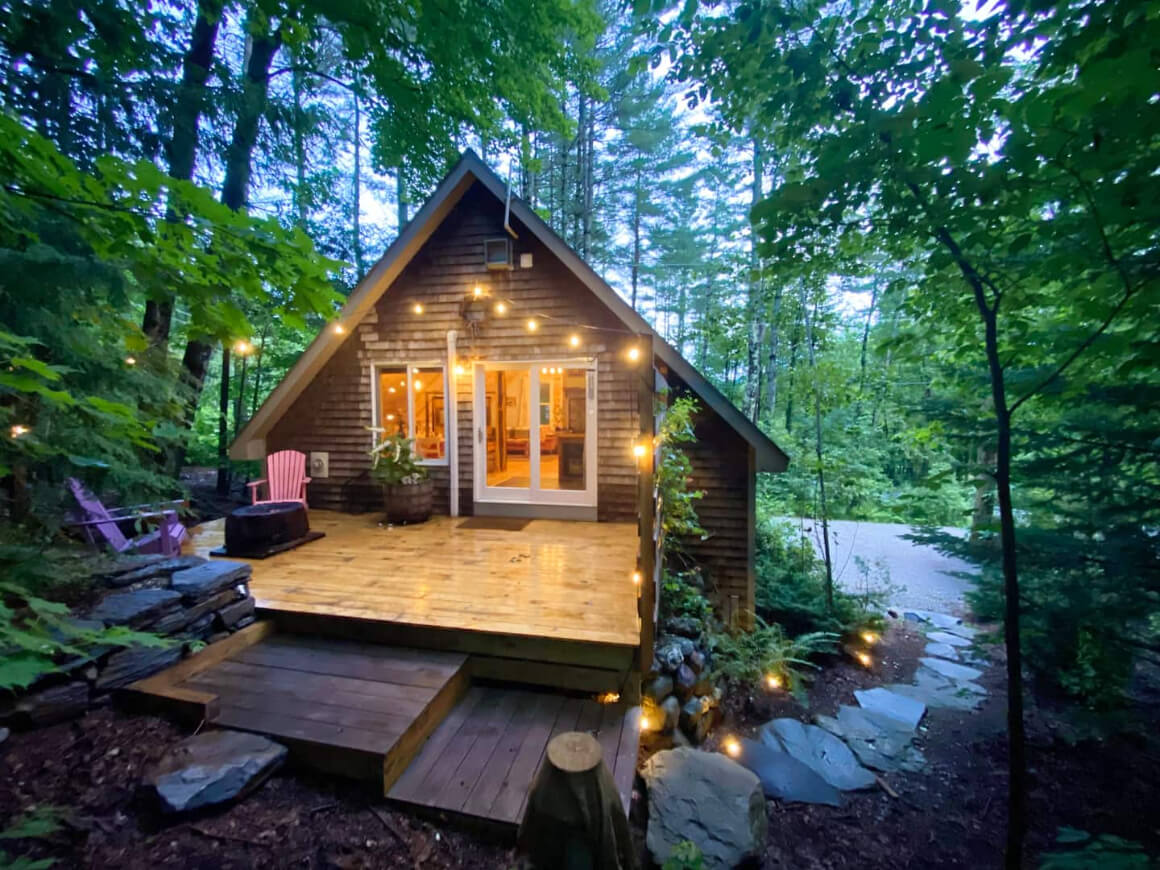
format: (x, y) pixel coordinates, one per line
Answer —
(100, 523)
(285, 478)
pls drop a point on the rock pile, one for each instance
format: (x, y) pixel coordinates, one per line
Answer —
(681, 699)
(185, 598)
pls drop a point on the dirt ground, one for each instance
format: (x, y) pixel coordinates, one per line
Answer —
(951, 815)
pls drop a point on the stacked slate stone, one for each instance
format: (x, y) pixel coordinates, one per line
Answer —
(186, 599)
(681, 699)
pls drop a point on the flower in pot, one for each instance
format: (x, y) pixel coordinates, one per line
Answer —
(407, 490)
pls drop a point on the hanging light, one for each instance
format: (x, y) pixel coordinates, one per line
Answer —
(418, 308)
(533, 326)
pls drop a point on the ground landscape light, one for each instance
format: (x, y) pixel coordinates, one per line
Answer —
(130, 361)
(732, 746)
(773, 681)
(865, 659)
(18, 430)
(869, 637)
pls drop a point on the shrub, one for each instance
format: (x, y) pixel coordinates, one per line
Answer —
(752, 656)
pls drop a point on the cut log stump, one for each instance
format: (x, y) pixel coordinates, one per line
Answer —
(575, 818)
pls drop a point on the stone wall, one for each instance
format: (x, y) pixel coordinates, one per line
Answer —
(680, 698)
(187, 599)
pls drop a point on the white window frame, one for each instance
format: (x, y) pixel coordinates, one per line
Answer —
(409, 368)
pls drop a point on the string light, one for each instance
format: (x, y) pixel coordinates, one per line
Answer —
(18, 430)
(477, 291)
(633, 353)
(130, 361)
(773, 681)
(501, 308)
(574, 340)
(532, 326)
(418, 309)
(242, 347)
(337, 329)
(870, 637)
(732, 746)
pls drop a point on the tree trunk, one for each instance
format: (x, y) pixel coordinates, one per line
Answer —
(866, 335)
(300, 204)
(774, 341)
(401, 195)
(181, 150)
(636, 236)
(984, 507)
(825, 517)
(356, 206)
(223, 470)
(756, 324)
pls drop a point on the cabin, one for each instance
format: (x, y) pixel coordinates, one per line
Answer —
(533, 393)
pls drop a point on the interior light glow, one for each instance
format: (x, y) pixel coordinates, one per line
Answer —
(459, 370)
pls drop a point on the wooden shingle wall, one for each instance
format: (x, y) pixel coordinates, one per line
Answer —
(333, 412)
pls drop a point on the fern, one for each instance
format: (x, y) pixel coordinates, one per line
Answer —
(767, 650)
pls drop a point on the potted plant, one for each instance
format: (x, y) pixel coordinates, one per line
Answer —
(407, 490)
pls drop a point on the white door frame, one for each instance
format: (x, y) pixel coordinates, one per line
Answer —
(533, 494)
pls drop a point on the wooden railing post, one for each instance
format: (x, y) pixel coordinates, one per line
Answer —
(649, 559)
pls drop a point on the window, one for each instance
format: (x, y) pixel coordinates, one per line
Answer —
(545, 403)
(410, 400)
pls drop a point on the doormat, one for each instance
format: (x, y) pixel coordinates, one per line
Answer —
(495, 524)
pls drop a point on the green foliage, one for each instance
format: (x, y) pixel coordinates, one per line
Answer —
(37, 823)
(395, 461)
(752, 656)
(1100, 852)
(790, 586)
(683, 594)
(674, 471)
(684, 856)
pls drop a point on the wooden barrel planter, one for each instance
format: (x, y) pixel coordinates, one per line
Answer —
(408, 503)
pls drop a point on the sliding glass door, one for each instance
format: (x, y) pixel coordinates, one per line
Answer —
(535, 433)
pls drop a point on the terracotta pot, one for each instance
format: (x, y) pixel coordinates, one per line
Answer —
(408, 503)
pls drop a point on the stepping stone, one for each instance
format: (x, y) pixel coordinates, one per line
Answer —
(785, 778)
(942, 651)
(934, 690)
(199, 583)
(943, 620)
(961, 630)
(899, 707)
(213, 768)
(136, 608)
(707, 799)
(914, 616)
(887, 750)
(951, 670)
(949, 639)
(819, 750)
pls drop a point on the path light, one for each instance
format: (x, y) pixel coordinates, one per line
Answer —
(18, 430)
(732, 746)
(532, 326)
(645, 722)
(130, 360)
(772, 681)
(870, 637)
(418, 309)
(608, 697)
(864, 658)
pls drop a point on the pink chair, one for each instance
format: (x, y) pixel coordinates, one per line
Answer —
(285, 478)
(166, 539)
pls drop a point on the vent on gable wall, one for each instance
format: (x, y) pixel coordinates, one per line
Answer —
(497, 253)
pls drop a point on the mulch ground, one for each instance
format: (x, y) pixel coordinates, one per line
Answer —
(951, 815)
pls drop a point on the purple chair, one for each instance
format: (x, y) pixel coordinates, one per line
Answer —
(285, 478)
(100, 523)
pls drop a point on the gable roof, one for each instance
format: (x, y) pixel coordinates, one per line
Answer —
(470, 169)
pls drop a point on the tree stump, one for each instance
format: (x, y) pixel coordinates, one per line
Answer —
(575, 819)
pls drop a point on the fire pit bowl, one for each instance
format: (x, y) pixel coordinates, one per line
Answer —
(260, 530)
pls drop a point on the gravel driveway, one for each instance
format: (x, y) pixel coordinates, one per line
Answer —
(925, 573)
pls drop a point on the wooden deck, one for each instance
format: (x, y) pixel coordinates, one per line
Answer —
(481, 761)
(567, 581)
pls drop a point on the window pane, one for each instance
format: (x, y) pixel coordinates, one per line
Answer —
(430, 412)
(562, 454)
(393, 401)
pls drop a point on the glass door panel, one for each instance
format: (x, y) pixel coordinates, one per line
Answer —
(508, 436)
(563, 424)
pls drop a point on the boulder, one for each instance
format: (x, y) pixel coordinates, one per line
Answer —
(902, 708)
(820, 751)
(697, 717)
(212, 768)
(684, 681)
(785, 778)
(683, 626)
(707, 799)
(671, 713)
(231, 615)
(4, 732)
(135, 663)
(199, 583)
(154, 570)
(687, 647)
(948, 638)
(669, 656)
(696, 661)
(127, 562)
(136, 609)
(659, 688)
(180, 619)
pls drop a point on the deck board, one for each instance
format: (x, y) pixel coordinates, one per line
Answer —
(552, 579)
(482, 760)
